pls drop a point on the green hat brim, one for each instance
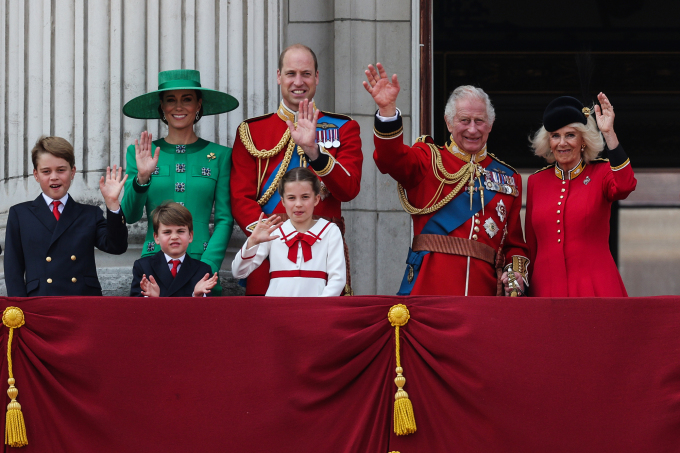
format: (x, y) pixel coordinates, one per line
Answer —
(146, 106)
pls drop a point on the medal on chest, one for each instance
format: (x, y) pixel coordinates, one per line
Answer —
(327, 135)
(500, 182)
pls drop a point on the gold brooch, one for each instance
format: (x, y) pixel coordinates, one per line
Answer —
(211, 156)
(586, 111)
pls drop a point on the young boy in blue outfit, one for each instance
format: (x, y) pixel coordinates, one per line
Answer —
(172, 272)
(50, 241)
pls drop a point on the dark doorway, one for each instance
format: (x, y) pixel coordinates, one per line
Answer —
(524, 55)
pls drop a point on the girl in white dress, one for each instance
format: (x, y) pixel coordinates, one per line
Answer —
(306, 255)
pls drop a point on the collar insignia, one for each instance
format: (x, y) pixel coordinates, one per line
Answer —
(571, 174)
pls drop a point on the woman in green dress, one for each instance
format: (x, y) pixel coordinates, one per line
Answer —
(181, 167)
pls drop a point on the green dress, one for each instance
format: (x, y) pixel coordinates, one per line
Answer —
(196, 176)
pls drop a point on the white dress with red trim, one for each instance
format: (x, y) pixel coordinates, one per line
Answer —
(306, 264)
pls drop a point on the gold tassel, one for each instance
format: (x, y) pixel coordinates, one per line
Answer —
(15, 427)
(404, 420)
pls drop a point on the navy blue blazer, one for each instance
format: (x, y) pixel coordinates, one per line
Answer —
(189, 273)
(44, 257)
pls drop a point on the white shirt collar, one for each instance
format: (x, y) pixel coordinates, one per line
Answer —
(49, 200)
(168, 258)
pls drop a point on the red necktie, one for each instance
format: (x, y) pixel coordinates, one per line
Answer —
(55, 208)
(175, 265)
(306, 241)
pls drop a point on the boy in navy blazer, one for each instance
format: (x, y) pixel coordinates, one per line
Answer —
(50, 241)
(171, 272)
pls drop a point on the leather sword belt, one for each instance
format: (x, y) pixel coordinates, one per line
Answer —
(454, 246)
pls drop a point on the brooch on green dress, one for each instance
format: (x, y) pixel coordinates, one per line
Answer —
(212, 156)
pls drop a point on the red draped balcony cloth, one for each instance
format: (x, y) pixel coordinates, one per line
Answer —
(265, 375)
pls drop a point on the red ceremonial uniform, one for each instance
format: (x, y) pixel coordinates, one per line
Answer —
(338, 168)
(412, 167)
(567, 225)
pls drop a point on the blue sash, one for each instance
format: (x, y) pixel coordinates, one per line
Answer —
(451, 216)
(269, 206)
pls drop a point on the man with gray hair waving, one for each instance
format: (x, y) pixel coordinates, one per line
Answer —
(464, 202)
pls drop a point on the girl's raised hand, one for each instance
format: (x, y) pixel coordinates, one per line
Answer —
(264, 229)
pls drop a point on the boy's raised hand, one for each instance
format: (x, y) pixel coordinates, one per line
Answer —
(263, 230)
(149, 286)
(111, 186)
(204, 285)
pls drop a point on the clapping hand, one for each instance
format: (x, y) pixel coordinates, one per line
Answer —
(111, 186)
(604, 114)
(304, 133)
(383, 90)
(204, 285)
(263, 230)
(146, 164)
(149, 286)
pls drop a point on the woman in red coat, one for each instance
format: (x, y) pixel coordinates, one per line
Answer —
(569, 203)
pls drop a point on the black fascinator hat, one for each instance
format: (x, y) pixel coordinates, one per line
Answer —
(563, 111)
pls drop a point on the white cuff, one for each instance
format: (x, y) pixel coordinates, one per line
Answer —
(387, 119)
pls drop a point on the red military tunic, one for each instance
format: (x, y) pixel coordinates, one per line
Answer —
(567, 226)
(443, 273)
(338, 168)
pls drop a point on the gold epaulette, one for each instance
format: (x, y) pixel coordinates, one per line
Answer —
(545, 168)
(337, 115)
(261, 117)
(425, 139)
(497, 159)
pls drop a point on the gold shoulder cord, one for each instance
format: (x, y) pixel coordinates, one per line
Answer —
(247, 140)
(467, 173)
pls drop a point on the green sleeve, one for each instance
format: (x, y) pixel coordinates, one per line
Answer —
(134, 197)
(224, 222)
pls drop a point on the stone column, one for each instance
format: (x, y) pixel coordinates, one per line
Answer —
(70, 65)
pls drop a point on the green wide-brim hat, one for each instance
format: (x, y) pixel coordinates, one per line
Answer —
(146, 105)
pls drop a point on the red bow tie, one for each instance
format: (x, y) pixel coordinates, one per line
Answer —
(306, 241)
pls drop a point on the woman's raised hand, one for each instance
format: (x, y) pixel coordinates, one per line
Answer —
(146, 163)
(604, 114)
(264, 229)
(383, 90)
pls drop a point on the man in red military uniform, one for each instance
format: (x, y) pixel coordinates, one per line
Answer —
(464, 202)
(267, 146)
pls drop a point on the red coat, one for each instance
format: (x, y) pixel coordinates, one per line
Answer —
(442, 273)
(569, 242)
(341, 178)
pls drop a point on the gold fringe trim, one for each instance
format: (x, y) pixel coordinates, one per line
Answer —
(15, 427)
(404, 420)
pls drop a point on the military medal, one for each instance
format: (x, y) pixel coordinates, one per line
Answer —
(500, 210)
(328, 143)
(336, 142)
(490, 227)
(587, 180)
